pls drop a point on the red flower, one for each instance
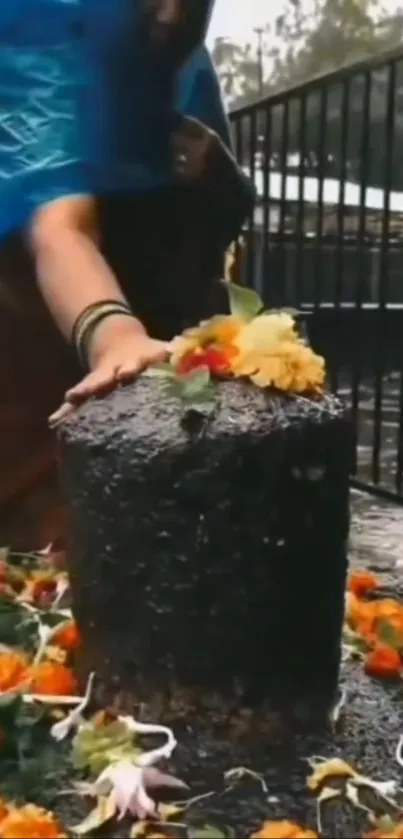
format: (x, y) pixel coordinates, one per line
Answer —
(215, 359)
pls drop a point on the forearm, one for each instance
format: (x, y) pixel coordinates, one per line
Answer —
(73, 275)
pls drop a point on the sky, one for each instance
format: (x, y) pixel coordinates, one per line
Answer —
(236, 19)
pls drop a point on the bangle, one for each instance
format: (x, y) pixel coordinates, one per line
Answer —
(88, 321)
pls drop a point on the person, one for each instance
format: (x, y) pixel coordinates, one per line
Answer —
(103, 103)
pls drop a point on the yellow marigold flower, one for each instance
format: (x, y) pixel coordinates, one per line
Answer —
(219, 331)
(265, 331)
(288, 365)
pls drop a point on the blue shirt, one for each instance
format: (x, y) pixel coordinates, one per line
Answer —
(86, 105)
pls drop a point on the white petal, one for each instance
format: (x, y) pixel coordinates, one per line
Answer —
(143, 805)
(61, 729)
(165, 751)
(126, 780)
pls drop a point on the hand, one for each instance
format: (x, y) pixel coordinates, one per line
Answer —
(123, 356)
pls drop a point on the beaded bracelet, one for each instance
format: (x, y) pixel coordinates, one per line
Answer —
(88, 321)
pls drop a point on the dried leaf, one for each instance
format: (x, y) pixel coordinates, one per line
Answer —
(139, 829)
(240, 772)
(166, 812)
(323, 770)
(100, 815)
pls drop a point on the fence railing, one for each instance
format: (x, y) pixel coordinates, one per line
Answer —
(327, 237)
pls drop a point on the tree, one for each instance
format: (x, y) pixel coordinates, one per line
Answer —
(302, 45)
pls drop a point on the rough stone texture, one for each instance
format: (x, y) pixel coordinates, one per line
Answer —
(210, 559)
(366, 736)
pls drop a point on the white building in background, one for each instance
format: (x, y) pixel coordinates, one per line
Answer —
(290, 187)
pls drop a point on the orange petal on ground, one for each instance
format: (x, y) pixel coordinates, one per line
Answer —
(383, 662)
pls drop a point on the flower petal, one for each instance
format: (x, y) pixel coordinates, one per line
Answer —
(60, 730)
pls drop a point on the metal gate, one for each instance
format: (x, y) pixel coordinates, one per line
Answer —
(327, 237)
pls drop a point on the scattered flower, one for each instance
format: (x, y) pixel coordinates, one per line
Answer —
(50, 677)
(14, 670)
(30, 822)
(283, 830)
(383, 662)
(130, 784)
(361, 582)
(68, 637)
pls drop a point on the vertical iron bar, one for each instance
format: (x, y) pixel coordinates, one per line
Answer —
(239, 146)
(281, 279)
(321, 152)
(300, 233)
(266, 202)
(339, 255)
(383, 275)
(251, 244)
(361, 268)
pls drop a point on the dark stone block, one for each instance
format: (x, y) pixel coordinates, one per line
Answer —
(210, 560)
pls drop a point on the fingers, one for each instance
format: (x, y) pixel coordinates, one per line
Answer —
(60, 415)
(95, 384)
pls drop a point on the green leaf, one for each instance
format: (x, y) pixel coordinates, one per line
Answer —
(206, 831)
(389, 635)
(161, 371)
(244, 303)
(96, 746)
(11, 697)
(195, 382)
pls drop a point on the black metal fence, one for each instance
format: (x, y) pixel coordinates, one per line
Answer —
(327, 238)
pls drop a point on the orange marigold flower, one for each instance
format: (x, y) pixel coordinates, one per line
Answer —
(50, 678)
(14, 670)
(361, 582)
(383, 662)
(4, 810)
(283, 830)
(395, 832)
(30, 822)
(68, 637)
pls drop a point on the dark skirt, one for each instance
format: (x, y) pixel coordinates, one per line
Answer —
(167, 256)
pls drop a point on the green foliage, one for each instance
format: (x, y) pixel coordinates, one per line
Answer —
(244, 303)
(305, 41)
(18, 627)
(96, 746)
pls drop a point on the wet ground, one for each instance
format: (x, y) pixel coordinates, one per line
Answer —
(367, 735)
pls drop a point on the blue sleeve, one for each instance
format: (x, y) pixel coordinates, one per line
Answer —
(198, 94)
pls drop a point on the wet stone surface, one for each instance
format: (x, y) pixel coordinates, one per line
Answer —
(366, 737)
(198, 553)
